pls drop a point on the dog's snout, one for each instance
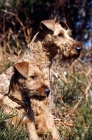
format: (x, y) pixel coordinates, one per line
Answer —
(78, 49)
(47, 91)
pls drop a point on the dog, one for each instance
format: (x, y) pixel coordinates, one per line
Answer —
(29, 95)
(53, 44)
(51, 48)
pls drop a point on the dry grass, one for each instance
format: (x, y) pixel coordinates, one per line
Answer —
(73, 97)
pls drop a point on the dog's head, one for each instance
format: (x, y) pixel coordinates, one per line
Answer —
(56, 39)
(27, 82)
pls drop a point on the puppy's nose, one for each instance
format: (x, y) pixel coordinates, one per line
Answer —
(47, 91)
(78, 49)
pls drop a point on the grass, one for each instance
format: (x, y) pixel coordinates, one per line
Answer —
(8, 131)
(74, 106)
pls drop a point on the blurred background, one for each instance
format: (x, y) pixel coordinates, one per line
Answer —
(19, 21)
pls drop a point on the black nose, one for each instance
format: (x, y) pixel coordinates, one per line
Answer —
(47, 91)
(78, 49)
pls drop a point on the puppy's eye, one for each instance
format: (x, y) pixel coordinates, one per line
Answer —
(60, 35)
(33, 77)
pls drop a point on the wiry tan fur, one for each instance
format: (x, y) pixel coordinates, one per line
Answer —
(54, 41)
(51, 43)
(28, 85)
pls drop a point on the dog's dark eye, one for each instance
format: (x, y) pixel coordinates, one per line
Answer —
(60, 35)
(33, 77)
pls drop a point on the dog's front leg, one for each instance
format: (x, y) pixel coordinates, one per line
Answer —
(32, 134)
(30, 125)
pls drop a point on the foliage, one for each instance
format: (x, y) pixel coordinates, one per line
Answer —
(18, 24)
(74, 115)
(2, 4)
(24, 3)
(8, 131)
(83, 125)
(74, 105)
(5, 65)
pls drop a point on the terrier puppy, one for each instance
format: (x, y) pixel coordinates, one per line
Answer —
(29, 94)
(52, 42)
(51, 45)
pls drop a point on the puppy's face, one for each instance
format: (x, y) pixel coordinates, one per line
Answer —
(27, 82)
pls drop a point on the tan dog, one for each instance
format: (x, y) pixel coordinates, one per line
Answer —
(30, 95)
(54, 41)
(51, 44)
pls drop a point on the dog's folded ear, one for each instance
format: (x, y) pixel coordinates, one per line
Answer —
(47, 26)
(22, 68)
(63, 24)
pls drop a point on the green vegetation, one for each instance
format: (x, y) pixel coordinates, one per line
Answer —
(73, 102)
(83, 125)
(75, 108)
(74, 112)
(8, 131)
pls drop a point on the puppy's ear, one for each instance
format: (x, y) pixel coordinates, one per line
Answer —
(47, 26)
(22, 68)
(63, 24)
